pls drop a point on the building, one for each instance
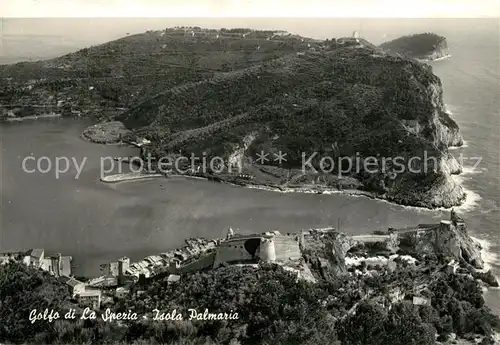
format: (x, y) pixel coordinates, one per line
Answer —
(4, 259)
(57, 265)
(74, 286)
(174, 265)
(36, 257)
(123, 266)
(452, 267)
(421, 301)
(103, 281)
(122, 292)
(10, 257)
(113, 269)
(90, 298)
(268, 247)
(173, 278)
(61, 265)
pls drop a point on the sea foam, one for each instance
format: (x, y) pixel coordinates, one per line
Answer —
(490, 256)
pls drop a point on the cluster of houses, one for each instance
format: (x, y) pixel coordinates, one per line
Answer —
(57, 265)
(60, 267)
(117, 276)
(155, 264)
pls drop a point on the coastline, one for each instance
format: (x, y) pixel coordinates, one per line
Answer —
(426, 60)
(33, 117)
(120, 143)
(467, 199)
(468, 202)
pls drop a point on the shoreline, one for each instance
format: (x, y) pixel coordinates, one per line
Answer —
(128, 177)
(466, 202)
(33, 117)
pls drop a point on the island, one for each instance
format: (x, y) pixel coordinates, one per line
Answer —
(412, 285)
(425, 46)
(275, 110)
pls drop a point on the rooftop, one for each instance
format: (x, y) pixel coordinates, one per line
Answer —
(36, 253)
(90, 293)
(173, 278)
(72, 282)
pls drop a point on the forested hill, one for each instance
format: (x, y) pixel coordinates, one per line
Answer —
(344, 92)
(226, 91)
(421, 46)
(121, 73)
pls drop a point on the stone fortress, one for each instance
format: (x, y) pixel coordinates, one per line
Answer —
(267, 247)
(449, 238)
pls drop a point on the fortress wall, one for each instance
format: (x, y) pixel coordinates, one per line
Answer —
(286, 247)
(232, 251)
(372, 238)
(205, 261)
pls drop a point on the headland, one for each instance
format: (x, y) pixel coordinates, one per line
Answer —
(339, 98)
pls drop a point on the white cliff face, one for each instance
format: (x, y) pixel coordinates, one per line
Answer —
(438, 127)
(446, 194)
(236, 158)
(445, 130)
(444, 133)
(450, 165)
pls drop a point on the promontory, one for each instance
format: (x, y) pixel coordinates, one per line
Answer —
(425, 46)
(341, 113)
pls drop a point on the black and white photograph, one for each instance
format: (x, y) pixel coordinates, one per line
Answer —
(249, 172)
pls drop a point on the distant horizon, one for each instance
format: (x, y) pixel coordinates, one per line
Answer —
(107, 28)
(254, 8)
(25, 39)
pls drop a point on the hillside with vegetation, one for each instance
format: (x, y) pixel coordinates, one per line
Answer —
(273, 307)
(425, 46)
(103, 80)
(346, 100)
(234, 93)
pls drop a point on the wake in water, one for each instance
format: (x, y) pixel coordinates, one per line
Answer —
(472, 199)
(464, 145)
(447, 109)
(446, 57)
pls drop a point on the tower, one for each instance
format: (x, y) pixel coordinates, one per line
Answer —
(355, 34)
(301, 240)
(267, 252)
(123, 265)
(230, 233)
(59, 265)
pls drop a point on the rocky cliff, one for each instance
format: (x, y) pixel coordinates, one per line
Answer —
(450, 238)
(425, 46)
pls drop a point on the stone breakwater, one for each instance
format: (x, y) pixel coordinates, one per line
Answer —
(128, 177)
